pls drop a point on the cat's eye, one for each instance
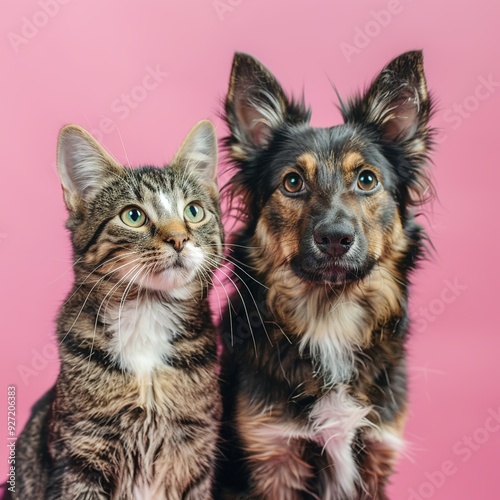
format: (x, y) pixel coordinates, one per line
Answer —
(293, 183)
(367, 180)
(133, 217)
(194, 212)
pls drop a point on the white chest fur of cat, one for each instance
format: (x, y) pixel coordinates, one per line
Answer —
(143, 331)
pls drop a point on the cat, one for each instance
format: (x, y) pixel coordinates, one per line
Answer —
(135, 410)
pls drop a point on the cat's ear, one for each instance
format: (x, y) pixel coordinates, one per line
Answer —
(198, 151)
(256, 105)
(83, 165)
(397, 103)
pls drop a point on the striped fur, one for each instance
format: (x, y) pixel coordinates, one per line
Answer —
(134, 414)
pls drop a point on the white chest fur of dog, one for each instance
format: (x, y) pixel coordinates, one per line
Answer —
(331, 327)
(332, 336)
(334, 422)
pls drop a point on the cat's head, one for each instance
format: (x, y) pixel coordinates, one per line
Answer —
(158, 228)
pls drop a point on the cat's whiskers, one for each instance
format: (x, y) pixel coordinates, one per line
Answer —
(239, 246)
(233, 259)
(248, 289)
(207, 273)
(137, 342)
(244, 306)
(73, 264)
(90, 292)
(142, 265)
(253, 300)
(148, 271)
(109, 293)
(241, 269)
(121, 256)
(202, 277)
(124, 297)
(122, 143)
(230, 307)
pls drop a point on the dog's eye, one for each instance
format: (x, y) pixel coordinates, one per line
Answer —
(367, 180)
(293, 183)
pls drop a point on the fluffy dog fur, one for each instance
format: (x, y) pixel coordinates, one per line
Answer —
(314, 364)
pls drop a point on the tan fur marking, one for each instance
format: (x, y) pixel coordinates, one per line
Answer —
(351, 161)
(173, 226)
(308, 163)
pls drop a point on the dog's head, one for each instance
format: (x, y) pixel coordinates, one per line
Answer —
(329, 203)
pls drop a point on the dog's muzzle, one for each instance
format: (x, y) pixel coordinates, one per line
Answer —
(334, 251)
(334, 240)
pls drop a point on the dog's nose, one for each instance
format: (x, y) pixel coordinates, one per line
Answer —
(335, 240)
(177, 239)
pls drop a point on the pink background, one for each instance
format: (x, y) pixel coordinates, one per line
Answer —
(74, 64)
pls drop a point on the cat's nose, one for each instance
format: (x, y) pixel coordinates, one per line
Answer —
(177, 239)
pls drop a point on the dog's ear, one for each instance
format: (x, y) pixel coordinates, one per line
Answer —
(255, 106)
(397, 103)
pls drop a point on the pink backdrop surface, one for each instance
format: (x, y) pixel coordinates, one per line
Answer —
(87, 62)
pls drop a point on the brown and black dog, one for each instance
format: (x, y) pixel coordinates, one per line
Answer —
(314, 364)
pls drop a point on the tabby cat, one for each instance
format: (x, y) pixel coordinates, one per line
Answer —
(135, 411)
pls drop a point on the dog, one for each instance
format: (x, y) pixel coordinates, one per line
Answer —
(314, 362)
